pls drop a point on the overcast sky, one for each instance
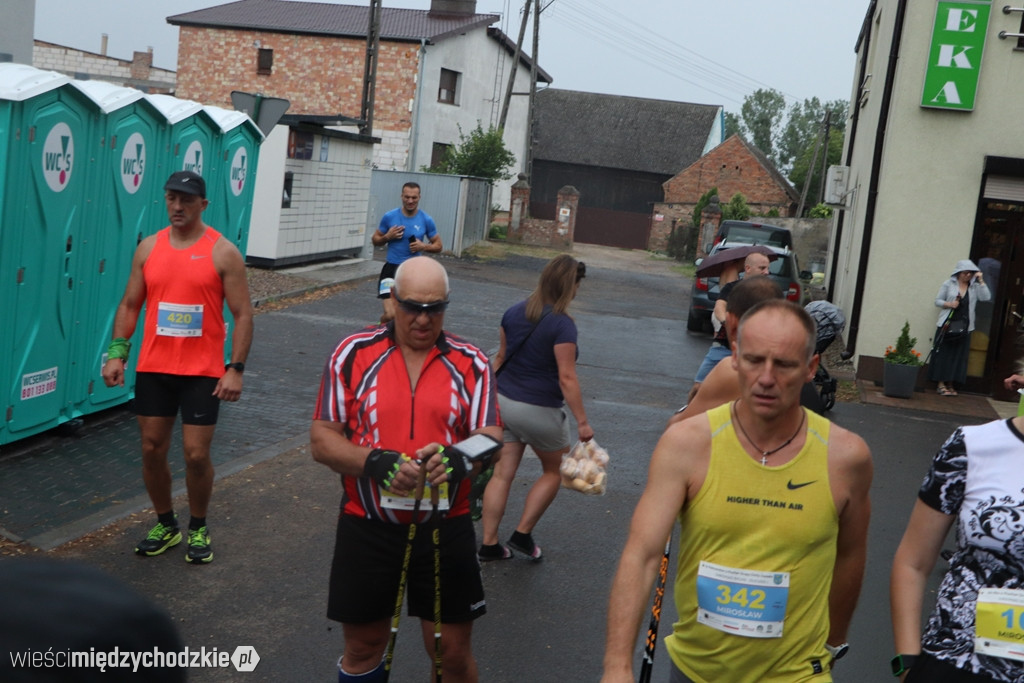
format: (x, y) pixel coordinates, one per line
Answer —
(708, 52)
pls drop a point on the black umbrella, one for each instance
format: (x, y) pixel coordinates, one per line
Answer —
(714, 264)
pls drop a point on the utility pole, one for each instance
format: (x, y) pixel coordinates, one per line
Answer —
(515, 66)
(533, 91)
(824, 158)
(370, 69)
(810, 167)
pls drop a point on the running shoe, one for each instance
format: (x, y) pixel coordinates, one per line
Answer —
(523, 543)
(159, 539)
(199, 550)
(489, 553)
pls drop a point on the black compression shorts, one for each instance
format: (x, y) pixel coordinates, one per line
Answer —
(160, 395)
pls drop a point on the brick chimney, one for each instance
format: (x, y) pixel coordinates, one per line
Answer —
(141, 64)
(453, 7)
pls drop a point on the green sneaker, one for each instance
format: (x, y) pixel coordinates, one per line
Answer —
(159, 539)
(199, 550)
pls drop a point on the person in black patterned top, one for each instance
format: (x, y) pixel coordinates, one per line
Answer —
(976, 631)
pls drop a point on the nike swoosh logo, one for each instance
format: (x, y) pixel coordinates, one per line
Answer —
(194, 257)
(793, 487)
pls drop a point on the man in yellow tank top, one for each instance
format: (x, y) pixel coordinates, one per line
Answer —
(183, 274)
(773, 507)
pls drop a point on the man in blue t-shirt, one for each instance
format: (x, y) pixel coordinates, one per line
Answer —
(408, 232)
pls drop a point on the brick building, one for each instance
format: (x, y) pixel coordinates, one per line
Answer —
(439, 71)
(139, 73)
(735, 166)
(617, 152)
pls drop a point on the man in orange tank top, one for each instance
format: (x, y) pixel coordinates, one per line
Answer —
(184, 274)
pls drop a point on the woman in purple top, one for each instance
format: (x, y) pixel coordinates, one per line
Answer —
(536, 369)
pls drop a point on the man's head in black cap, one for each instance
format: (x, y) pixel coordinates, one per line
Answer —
(187, 182)
(185, 195)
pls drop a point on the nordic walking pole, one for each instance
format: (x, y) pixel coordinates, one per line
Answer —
(647, 666)
(420, 481)
(436, 535)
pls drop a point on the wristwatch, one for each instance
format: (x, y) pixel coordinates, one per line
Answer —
(901, 663)
(240, 367)
(838, 651)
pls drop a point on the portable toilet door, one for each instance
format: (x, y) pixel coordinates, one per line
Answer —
(230, 189)
(18, 82)
(229, 186)
(192, 146)
(48, 194)
(128, 208)
(176, 116)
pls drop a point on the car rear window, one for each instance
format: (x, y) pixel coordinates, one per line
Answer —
(762, 235)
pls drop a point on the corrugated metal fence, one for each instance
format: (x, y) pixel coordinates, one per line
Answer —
(459, 205)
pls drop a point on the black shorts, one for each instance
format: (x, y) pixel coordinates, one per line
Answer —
(368, 564)
(387, 271)
(160, 395)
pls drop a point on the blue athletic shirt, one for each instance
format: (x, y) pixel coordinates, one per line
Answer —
(421, 225)
(531, 373)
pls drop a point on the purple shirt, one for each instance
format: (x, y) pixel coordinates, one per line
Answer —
(531, 373)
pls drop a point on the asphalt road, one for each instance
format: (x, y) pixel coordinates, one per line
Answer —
(273, 522)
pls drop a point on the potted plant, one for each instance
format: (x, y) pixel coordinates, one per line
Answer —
(902, 362)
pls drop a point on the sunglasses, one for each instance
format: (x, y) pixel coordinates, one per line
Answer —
(415, 307)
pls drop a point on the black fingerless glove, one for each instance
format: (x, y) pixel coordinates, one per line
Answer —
(382, 466)
(456, 465)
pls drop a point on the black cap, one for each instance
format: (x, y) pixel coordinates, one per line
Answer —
(188, 182)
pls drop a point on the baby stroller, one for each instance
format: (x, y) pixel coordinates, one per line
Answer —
(831, 323)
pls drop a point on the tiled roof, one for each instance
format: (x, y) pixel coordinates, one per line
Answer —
(632, 133)
(334, 20)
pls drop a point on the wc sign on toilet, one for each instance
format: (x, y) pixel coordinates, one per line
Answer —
(58, 157)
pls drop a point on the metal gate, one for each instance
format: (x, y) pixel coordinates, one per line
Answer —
(606, 227)
(459, 205)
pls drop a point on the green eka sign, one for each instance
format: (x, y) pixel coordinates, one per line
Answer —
(954, 57)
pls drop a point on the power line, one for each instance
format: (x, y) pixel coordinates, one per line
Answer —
(639, 43)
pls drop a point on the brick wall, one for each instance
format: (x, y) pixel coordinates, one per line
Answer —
(137, 73)
(732, 168)
(319, 75)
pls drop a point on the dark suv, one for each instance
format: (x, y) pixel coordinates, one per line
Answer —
(753, 233)
(785, 270)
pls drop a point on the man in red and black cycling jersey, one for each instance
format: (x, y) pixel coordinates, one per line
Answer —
(389, 397)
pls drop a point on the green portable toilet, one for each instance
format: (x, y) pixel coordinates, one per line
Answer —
(127, 208)
(177, 115)
(47, 192)
(230, 188)
(18, 82)
(229, 184)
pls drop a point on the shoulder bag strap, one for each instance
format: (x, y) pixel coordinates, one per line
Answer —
(508, 357)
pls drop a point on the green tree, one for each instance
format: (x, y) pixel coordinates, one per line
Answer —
(798, 174)
(784, 135)
(704, 200)
(737, 209)
(481, 154)
(820, 211)
(763, 114)
(733, 125)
